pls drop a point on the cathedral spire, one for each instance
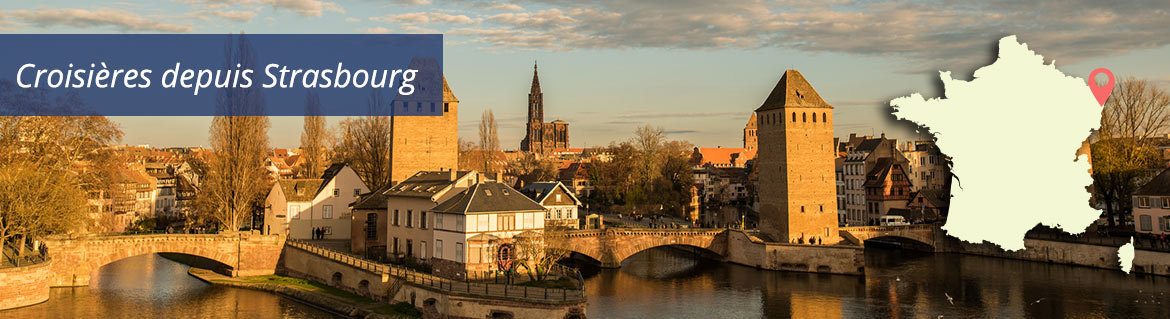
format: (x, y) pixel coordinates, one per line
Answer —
(535, 79)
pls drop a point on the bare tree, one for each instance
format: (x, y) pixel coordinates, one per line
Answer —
(365, 142)
(235, 176)
(48, 163)
(314, 139)
(1126, 153)
(489, 141)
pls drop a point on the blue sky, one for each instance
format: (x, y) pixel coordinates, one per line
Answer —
(696, 68)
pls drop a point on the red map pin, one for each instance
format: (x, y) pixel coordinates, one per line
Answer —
(1101, 92)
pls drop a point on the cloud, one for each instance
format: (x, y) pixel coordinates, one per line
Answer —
(376, 30)
(413, 2)
(932, 33)
(307, 8)
(231, 15)
(352, 20)
(416, 29)
(503, 6)
(81, 18)
(426, 18)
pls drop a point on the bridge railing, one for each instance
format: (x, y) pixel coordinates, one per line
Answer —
(476, 289)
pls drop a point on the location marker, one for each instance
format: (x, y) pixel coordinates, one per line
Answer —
(1101, 92)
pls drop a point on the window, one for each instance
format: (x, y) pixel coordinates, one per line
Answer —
(459, 252)
(824, 118)
(418, 107)
(1144, 202)
(438, 222)
(295, 210)
(1164, 223)
(422, 220)
(336, 192)
(528, 221)
(327, 212)
(814, 117)
(371, 226)
(558, 197)
(410, 248)
(793, 117)
(395, 222)
(803, 117)
(357, 192)
(482, 223)
(458, 223)
(409, 218)
(506, 222)
(395, 245)
(1146, 224)
(1165, 202)
(438, 248)
(445, 107)
(422, 245)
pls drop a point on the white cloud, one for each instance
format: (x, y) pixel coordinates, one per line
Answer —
(103, 17)
(426, 18)
(352, 20)
(937, 32)
(307, 8)
(376, 30)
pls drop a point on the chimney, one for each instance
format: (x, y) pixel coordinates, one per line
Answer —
(480, 177)
(454, 175)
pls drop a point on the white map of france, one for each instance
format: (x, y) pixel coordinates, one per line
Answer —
(1012, 133)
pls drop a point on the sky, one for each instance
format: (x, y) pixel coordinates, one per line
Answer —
(697, 68)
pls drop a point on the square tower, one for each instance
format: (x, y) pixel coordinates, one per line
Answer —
(798, 196)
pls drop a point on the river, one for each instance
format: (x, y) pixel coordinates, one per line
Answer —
(150, 286)
(669, 283)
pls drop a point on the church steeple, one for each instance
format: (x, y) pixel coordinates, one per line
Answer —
(535, 80)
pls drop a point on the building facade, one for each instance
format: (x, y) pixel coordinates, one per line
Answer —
(861, 158)
(797, 190)
(928, 166)
(297, 207)
(559, 203)
(1151, 206)
(541, 137)
(483, 228)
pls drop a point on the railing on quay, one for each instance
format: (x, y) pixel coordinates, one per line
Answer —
(32, 256)
(485, 290)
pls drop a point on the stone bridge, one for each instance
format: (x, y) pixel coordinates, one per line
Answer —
(613, 245)
(75, 259)
(929, 236)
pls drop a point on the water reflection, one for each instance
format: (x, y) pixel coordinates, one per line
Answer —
(150, 286)
(670, 283)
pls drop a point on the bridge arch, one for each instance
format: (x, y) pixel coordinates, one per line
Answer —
(612, 246)
(918, 237)
(76, 259)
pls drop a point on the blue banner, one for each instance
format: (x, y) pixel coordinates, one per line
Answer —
(210, 74)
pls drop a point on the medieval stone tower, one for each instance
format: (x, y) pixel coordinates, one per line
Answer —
(426, 143)
(798, 200)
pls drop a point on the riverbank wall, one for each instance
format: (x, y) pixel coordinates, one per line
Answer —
(748, 250)
(1103, 256)
(25, 285)
(433, 295)
(315, 299)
